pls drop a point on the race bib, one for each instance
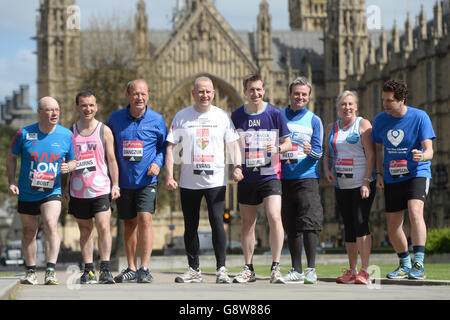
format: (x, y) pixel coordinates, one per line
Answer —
(133, 150)
(254, 159)
(344, 168)
(398, 168)
(203, 165)
(86, 163)
(290, 156)
(43, 181)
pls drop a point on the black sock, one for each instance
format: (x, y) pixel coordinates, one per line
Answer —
(274, 264)
(89, 266)
(250, 266)
(51, 265)
(30, 268)
(104, 265)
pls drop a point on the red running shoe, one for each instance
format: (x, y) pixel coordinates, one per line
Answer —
(348, 277)
(363, 277)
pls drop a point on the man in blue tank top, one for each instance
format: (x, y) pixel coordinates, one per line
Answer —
(403, 137)
(46, 151)
(302, 210)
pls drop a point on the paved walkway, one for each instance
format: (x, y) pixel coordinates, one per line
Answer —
(164, 288)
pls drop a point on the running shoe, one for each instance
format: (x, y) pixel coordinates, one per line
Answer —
(222, 275)
(294, 277)
(190, 276)
(417, 272)
(275, 275)
(310, 276)
(144, 275)
(246, 275)
(50, 277)
(348, 277)
(30, 277)
(400, 273)
(106, 277)
(88, 277)
(126, 276)
(363, 277)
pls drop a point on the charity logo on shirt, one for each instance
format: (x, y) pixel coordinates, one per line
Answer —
(395, 137)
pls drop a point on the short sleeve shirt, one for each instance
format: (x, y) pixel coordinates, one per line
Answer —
(255, 130)
(41, 158)
(399, 136)
(201, 137)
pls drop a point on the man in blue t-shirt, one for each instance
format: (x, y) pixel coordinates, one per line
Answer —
(302, 211)
(140, 144)
(46, 151)
(261, 126)
(403, 137)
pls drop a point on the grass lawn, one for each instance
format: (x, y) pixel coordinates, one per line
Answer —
(8, 274)
(433, 271)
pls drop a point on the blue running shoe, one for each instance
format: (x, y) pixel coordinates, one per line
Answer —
(417, 272)
(400, 273)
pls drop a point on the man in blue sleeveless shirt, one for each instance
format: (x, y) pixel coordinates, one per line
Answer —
(302, 210)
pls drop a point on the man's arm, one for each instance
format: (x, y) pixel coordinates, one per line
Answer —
(11, 165)
(379, 165)
(113, 168)
(314, 150)
(426, 154)
(236, 157)
(171, 184)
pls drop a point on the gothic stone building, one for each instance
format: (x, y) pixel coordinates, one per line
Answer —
(328, 42)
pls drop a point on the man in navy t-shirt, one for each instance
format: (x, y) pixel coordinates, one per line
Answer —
(403, 136)
(261, 126)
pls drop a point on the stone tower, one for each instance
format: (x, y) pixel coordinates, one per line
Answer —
(345, 44)
(307, 15)
(264, 44)
(141, 42)
(58, 50)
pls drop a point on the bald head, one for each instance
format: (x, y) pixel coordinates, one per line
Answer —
(47, 102)
(137, 82)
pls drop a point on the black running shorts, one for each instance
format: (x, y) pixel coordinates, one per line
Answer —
(132, 201)
(34, 208)
(301, 208)
(254, 193)
(396, 195)
(86, 209)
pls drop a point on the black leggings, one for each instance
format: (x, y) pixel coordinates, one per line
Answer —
(355, 211)
(190, 204)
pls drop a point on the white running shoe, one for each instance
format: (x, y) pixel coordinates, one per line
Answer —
(294, 277)
(222, 275)
(275, 275)
(246, 275)
(310, 276)
(50, 277)
(190, 276)
(30, 278)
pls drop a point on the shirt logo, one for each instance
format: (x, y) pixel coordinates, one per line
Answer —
(395, 137)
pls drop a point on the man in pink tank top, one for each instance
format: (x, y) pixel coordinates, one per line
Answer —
(91, 188)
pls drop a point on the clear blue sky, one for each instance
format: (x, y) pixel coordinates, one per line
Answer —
(18, 26)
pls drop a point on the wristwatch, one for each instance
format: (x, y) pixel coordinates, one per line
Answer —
(237, 167)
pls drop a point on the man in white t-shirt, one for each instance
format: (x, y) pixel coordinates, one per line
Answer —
(201, 129)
